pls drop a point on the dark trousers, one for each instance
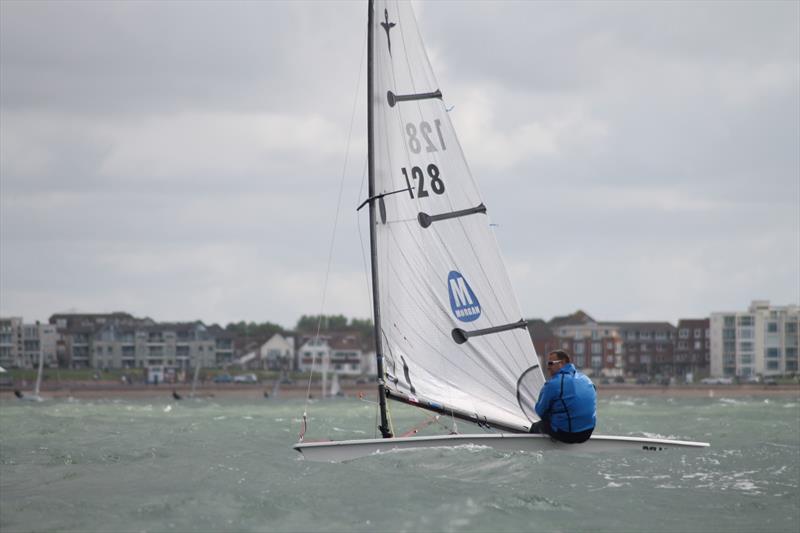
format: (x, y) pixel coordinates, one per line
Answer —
(543, 426)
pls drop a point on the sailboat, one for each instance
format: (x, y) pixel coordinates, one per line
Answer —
(35, 397)
(449, 334)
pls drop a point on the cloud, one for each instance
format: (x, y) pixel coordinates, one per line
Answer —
(184, 160)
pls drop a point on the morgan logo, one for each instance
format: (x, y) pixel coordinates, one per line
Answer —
(463, 301)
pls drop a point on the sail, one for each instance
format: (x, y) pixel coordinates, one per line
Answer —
(452, 332)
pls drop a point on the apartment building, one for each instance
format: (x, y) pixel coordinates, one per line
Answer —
(21, 345)
(596, 347)
(692, 348)
(760, 341)
(176, 346)
(647, 347)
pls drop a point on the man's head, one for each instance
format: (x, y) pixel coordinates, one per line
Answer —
(556, 360)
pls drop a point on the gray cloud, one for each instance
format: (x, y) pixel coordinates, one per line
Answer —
(182, 160)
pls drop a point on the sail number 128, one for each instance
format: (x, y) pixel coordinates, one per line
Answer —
(417, 177)
(425, 131)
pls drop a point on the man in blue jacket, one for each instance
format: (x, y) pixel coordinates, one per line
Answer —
(567, 403)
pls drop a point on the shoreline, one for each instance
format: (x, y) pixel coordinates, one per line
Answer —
(111, 390)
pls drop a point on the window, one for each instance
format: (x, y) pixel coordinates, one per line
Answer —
(597, 348)
(698, 333)
(772, 327)
(745, 346)
(682, 345)
(791, 327)
(773, 352)
(579, 347)
(597, 361)
(595, 334)
(746, 320)
(644, 335)
(683, 333)
(643, 347)
(698, 345)
(791, 366)
(746, 359)
(565, 345)
(791, 352)
(772, 365)
(746, 333)
(631, 335)
(729, 321)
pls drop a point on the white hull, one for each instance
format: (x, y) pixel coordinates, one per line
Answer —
(32, 398)
(335, 451)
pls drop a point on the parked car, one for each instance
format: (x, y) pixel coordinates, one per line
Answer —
(223, 378)
(619, 379)
(751, 379)
(245, 378)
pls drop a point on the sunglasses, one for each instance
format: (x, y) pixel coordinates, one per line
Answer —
(551, 363)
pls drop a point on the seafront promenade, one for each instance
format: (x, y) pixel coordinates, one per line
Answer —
(111, 390)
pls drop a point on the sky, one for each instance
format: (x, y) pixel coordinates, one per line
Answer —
(185, 160)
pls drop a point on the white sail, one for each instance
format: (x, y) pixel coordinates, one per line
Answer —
(439, 266)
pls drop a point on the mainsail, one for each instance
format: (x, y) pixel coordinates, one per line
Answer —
(451, 330)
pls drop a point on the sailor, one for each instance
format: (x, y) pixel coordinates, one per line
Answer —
(567, 403)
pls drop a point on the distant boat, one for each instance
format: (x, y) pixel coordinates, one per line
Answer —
(196, 376)
(336, 389)
(449, 336)
(35, 397)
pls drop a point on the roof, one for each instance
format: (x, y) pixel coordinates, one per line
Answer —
(539, 329)
(575, 319)
(641, 326)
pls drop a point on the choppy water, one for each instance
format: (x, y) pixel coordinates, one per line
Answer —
(227, 465)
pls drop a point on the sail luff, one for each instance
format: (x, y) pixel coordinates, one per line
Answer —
(376, 309)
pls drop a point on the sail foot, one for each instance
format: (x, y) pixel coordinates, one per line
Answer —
(461, 336)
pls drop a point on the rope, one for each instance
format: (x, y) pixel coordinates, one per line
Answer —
(333, 242)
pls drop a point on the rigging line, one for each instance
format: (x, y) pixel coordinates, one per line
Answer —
(333, 232)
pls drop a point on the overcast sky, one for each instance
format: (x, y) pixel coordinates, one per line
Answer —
(182, 160)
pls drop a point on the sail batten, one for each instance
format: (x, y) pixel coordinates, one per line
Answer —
(439, 269)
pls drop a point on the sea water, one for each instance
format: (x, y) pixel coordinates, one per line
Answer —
(227, 465)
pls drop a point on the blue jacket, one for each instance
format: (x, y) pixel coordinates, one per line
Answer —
(569, 401)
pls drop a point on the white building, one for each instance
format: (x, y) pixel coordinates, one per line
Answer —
(341, 354)
(22, 344)
(760, 341)
(278, 352)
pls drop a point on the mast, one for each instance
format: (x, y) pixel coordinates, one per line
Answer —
(376, 309)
